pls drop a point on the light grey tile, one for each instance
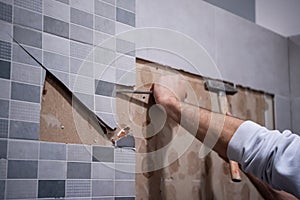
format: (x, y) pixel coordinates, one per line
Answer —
(104, 56)
(125, 62)
(105, 10)
(22, 169)
(5, 69)
(81, 18)
(3, 168)
(121, 28)
(28, 37)
(124, 155)
(5, 31)
(102, 188)
(56, 27)
(20, 189)
(52, 151)
(3, 128)
(24, 92)
(86, 99)
(109, 119)
(5, 89)
(126, 4)
(81, 34)
(56, 44)
(5, 50)
(82, 84)
(78, 188)
(5, 12)
(125, 77)
(125, 17)
(105, 88)
(3, 149)
(113, 2)
(87, 5)
(125, 188)
(105, 73)
(103, 171)
(104, 25)
(64, 1)
(10, 2)
(104, 40)
(294, 63)
(81, 67)
(27, 18)
(105, 104)
(125, 171)
(78, 152)
(57, 10)
(77, 170)
(52, 170)
(82, 51)
(24, 130)
(282, 118)
(4, 108)
(103, 154)
(36, 5)
(125, 47)
(26, 74)
(19, 55)
(18, 149)
(51, 188)
(56, 61)
(62, 76)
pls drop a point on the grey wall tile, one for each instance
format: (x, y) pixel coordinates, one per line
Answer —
(295, 105)
(109, 119)
(87, 5)
(104, 39)
(125, 62)
(102, 188)
(82, 84)
(4, 69)
(26, 74)
(27, 18)
(64, 1)
(124, 198)
(56, 61)
(62, 76)
(5, 12)
(125, 171)
(105, 73)
(5, 89)
(103, 171)
(125, 188)
(105, 104)
(5, 31)
(56, 9)
(86, 99)
(282, 118)
(3, 149)
(51, 188)
(125, 17)
(126, 4)
(81, 34)
(21, 189)
(103, 154)
(5, 50)
(78, 152)
(82, 18)
(294, 63)
(52, 151)
(56, 44)
(125, 77)
(19, 55)
(104, 56)
(28, 37)
(105, 10)
(56, 27)
(24, 92)
(36, 5)
(124, 156)
(23, 150)
(49, 170)
(125, 47)
(3, 168)
(104, 25)
(3, 128)
(81, 67)
(78, 188)
(104, 88)
(21, 169)
(4, 108)
(24, 130)
(82, 51)
(2, 189)
(113, 2)
(120, 28)
(76, 170)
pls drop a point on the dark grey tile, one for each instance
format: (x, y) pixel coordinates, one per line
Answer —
(56, 61)
(51, 188)
(56, 27)
(4, 69)
(81, 18)
(125, 17)
(4, 108)
(103, 154)
(5, 12)
(125, 47)
(3, 168)
(124, 198)
(3, 128)
(35, 5)
(2, 189)
(19, 55)
(126, 4)
(24, 92)
(21, 189)
(22, 169)
(78, 188)
(5, 86)
(5, 50)
(28, 37)
(27, 18)
(105, 10)
(105, 25)
(105, 88)
(64, 1)
(24, 130)
(81, 34)
(3, 149)
(52, 151)
(77, 170)
(102, 188)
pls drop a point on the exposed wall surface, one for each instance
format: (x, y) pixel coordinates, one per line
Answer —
(244, 53)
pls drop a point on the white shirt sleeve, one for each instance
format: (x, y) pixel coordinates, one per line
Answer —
(271, 156)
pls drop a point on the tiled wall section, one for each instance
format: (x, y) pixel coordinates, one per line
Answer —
(34, 169)
(65, 36)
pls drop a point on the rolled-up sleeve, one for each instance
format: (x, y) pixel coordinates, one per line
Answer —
(272, 156)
